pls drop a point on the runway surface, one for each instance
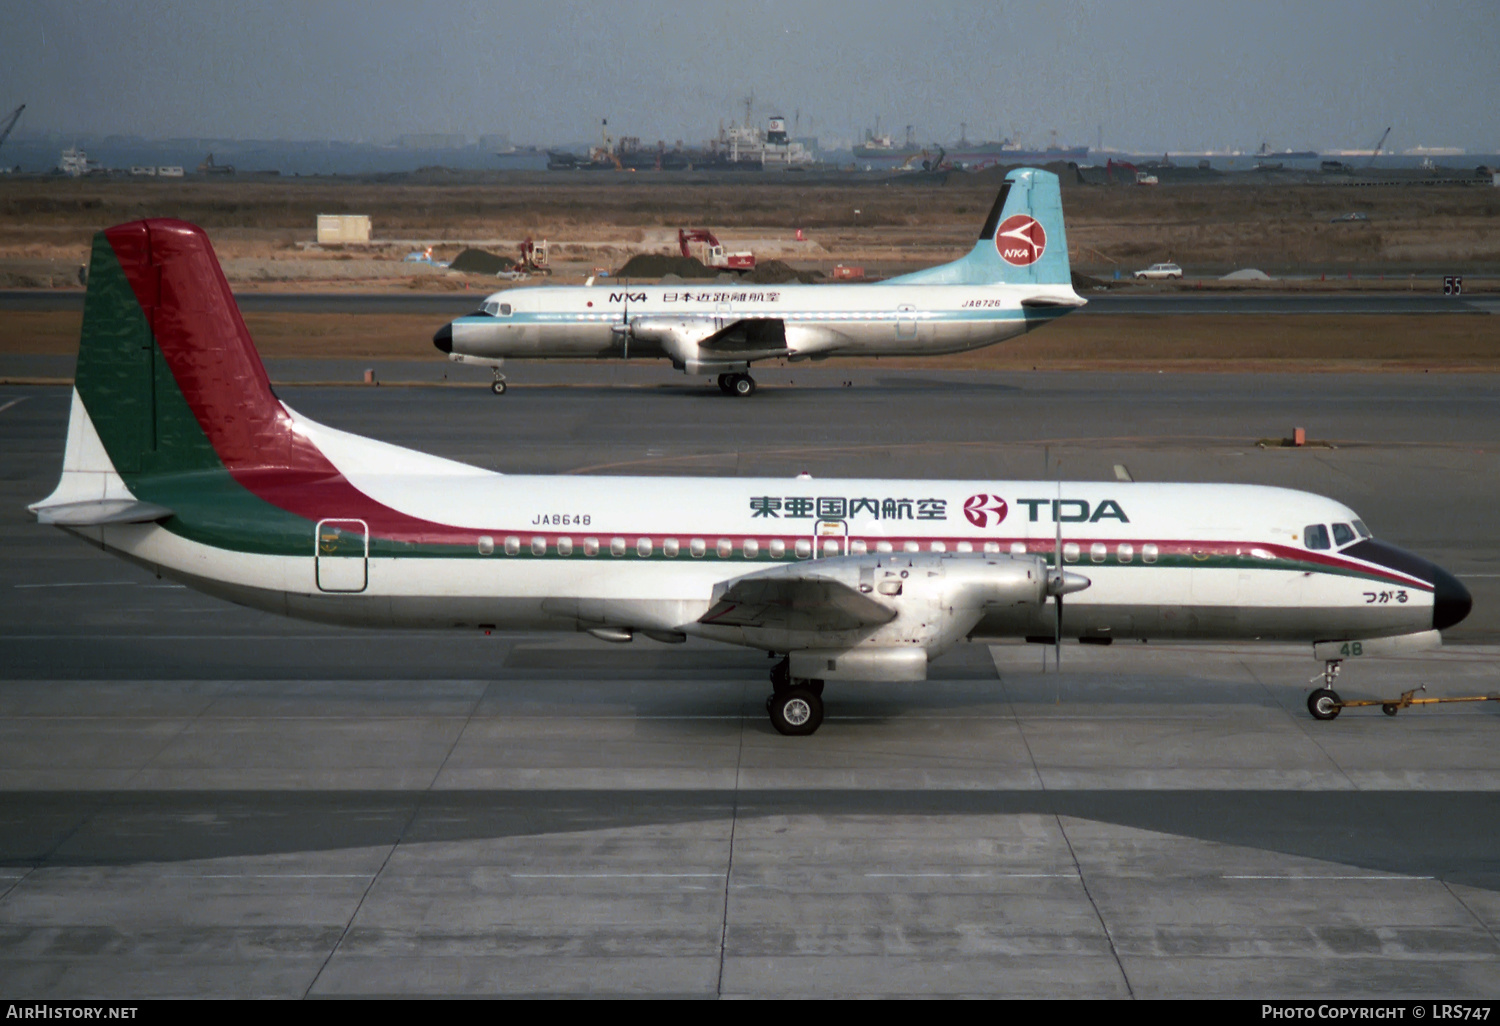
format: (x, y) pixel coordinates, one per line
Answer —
(456, 304)
(200, 800)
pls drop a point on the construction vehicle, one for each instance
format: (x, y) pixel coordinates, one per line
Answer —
(1124, 165)
(534, 257)
(711, 251)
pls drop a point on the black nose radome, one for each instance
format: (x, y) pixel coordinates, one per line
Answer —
(444, 338)
(1451, 601)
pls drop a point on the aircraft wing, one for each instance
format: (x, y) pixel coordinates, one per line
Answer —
(761, 335)
(799, 601)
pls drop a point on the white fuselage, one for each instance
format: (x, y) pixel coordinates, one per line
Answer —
(820, 320)
(505, 551)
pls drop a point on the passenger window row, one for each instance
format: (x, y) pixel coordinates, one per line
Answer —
(802, 548)
(1124, 552)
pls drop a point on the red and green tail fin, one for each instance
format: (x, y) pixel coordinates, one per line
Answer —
(174, 418)
(166, 367)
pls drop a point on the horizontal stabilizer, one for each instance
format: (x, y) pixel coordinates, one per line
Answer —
(804, 602)
(98, 512)
(1053, 302)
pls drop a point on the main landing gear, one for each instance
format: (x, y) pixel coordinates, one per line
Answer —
(499, 386)
(796, 703)
(1325, 703)
(742, 385)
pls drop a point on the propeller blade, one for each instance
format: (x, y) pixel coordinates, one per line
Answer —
(1057, 637)
(1057, 568)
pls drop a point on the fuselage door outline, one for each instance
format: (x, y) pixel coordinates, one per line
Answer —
(341, 555)
(830, 538)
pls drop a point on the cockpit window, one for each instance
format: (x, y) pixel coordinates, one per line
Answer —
(504, 309)
(1315, 536)
(495, 308)
(1359, 525)
(1343, 534)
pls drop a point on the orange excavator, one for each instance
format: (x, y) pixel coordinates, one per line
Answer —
(712, 251)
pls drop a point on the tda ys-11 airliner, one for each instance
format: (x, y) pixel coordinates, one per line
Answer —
(181, 459)
(1015, 278)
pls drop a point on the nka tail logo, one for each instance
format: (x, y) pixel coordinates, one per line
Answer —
(982, 510)
(1020, 240)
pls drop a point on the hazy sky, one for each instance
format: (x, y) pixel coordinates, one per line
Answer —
(1322, 73)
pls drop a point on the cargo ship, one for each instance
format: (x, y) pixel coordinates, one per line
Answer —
(738, 148)
(882, 150)
(1266, 153)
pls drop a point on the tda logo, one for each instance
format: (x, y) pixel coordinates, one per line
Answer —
(1074, 511)
(983, 510)
(1020, 240)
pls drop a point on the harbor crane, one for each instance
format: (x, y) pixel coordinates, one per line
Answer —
(10, 123)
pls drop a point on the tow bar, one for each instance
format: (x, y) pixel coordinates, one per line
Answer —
(1325, 704)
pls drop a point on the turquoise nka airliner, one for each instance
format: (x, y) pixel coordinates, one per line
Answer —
(1014, 279)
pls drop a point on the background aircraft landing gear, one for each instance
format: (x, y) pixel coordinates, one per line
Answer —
(499, 386)
(741, 385)
(796, 712)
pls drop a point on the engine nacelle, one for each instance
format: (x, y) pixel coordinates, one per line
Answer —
(679, 338)
(940, 597)
(720, 345)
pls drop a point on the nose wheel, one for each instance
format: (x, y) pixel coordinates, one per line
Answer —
(499, 386)
(1325, 703)
(741, 385)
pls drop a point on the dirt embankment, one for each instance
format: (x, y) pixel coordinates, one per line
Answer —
(600, 220)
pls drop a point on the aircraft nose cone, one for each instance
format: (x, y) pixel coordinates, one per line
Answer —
(1451, 601)
(444, 338)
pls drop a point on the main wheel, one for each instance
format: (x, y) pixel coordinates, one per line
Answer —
(1324, 704)
(498, 388)
(1390, 708)
(724, 380)
(796, 712)
(742, 385)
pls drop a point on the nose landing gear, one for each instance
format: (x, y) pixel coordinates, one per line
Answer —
(499, 386)
(1324, 703)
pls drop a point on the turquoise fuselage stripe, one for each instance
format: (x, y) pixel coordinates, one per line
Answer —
(831, 317)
